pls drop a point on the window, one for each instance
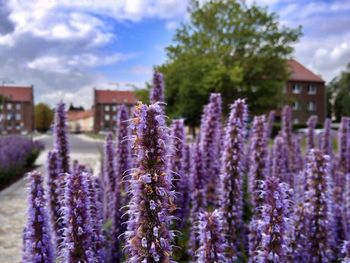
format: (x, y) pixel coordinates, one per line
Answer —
(311, 106)
(296, 105)
(18, 106)
(107, 117)
(296, 89)
(114, 108)
(18, 117)
(106, 107)
(9, 106)
(18, 127)
(311, 89)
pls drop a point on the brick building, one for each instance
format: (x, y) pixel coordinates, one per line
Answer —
(105, 107)
(80, 121)
(307, 92)
(16, 110)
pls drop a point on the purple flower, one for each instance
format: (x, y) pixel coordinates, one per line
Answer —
(269, 126)
(123, 153)
(326, 139)
(211, 239)
(232, 170)
(96, 216)
(346, 252)
(258, 169)
(78, 234)
(61, 140)
(275, 223)
(110, 177)
(175, 166)
(197, 193)
(148, 236)
(287, 136)
(55, 193)
(319, 207)
(279, 160)
(157, 91)
(210, 135)
(311, 125)
(258, 160)
(37, 240)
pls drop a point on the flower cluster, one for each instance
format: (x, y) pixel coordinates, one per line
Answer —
(61, 140)
(311, 125)
(231, 177)
(157, 91)
(212, 243)
(148, 236)
(210, 143)
(37, 239)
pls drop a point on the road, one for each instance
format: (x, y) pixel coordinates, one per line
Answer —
(13, 200)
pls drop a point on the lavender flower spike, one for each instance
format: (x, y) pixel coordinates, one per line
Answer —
(148, 236)
(210, 143)
(311, 125)
(319, 204)
(77, 244)
(110, 176)
(175, 165)
(269, 126)
(288, 137)
(55, 193)
(326, 140)
(258, 161)
(157, 92)
(279, 160)
(123, 153)
(231, 177)
(198, 193)
(257, 174)
(61, 141)
(37, 241)
(212, 244)
(275, 224)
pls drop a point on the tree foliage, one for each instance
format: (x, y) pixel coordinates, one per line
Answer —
(339, 94)
(43, 117)
(231, 48)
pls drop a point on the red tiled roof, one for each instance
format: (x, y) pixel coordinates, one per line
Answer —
(115, 96)
(20, 94)
(301, 73)
(77, 115)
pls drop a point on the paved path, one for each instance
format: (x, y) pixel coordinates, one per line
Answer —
(13, 199)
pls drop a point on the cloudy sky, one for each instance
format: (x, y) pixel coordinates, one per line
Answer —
(65, 48)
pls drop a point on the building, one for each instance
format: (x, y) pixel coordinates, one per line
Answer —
(105, 107)
(80, 121)
(307, 92)
(16, 109)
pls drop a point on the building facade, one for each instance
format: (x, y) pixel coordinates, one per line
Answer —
(16, 110)
(80, 121)
(307, 93)
(105, 107)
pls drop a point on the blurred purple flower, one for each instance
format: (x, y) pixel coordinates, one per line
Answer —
(37, 239)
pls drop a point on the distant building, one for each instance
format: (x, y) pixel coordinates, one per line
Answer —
(105, 107)
(80, 121)
(16, 109)
(307, 91)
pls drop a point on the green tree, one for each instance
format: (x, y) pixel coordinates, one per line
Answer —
(339, 90)
(231, 48)
(43, 117)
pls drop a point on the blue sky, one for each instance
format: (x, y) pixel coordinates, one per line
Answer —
(65, 48)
